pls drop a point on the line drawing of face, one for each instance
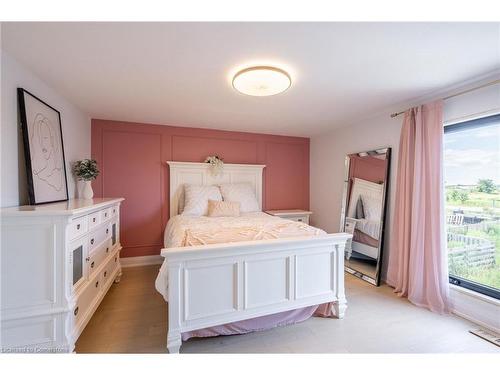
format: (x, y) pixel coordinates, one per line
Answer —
(46, 161)
(46, 140)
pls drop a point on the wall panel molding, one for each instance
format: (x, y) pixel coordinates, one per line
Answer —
(128, 151)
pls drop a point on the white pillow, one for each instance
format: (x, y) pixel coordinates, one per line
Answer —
(243, 193)
(372, 207)
(196, 198)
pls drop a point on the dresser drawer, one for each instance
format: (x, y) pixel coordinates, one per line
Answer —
(302, 219)
(108, 271)
(85, 299)
(94, 219)
(350, 226)
(77, 227)
(97, 256)
(98, 236)
(105, 214)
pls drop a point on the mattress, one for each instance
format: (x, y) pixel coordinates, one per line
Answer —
(184, 230)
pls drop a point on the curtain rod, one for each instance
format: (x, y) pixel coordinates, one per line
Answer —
(457, 94)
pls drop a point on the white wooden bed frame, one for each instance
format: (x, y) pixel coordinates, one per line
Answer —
(210, 285)
(370, 189)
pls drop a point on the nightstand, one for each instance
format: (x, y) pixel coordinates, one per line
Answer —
(350, 225)
(295, 215)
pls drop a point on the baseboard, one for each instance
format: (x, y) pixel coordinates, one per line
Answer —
(475, 307)
(476, 321)
(141, 261)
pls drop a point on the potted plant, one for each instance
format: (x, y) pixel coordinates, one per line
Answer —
(86, 170)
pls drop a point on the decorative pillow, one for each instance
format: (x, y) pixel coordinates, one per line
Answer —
(243, 193)
(223, 208)
(196, 198)
(372, 207)
(360, 212)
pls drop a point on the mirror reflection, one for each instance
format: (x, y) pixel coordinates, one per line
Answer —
(363, 211)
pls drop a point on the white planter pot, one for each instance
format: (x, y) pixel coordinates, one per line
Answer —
(87, 192)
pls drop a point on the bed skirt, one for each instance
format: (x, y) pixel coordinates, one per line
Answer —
(262, 323)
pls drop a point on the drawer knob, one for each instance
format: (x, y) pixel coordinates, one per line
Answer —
(93, 219)
(92, 241)
(299, 219)
(107, 230)
(77, 226)
(114, 211)
(75, 313)
(87, 259)
(115, 259)
(105, 273)
(107, 250)
(92, 265)
(96, 284)
(105, 214)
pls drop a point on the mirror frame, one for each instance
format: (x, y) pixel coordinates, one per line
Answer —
(375, 281)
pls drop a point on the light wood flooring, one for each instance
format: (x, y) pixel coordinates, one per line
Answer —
(132, 319)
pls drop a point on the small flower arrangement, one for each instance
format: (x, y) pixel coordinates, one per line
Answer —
(216, 164)
(86, 170)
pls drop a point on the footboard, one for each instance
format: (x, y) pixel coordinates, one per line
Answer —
(217, 284)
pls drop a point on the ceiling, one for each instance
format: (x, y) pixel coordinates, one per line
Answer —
(179, 73)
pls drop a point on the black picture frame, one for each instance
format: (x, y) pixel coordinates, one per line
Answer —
(35, 194)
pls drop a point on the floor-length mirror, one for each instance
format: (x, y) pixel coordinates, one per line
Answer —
(363, 211)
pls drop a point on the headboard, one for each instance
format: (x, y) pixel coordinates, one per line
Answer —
(200, 174)
(363, 187)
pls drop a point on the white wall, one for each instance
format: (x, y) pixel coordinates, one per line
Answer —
(75, 128)
(327, 168)
(328, 151)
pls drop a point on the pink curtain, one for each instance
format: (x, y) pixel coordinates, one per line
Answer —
(418, 267)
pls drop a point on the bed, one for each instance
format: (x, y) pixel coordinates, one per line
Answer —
(235, 275)
(366, 233)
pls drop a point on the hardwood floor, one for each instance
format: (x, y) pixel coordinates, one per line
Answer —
(132, 319)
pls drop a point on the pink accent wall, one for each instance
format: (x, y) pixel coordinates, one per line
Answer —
(367, 168)
(132, 159)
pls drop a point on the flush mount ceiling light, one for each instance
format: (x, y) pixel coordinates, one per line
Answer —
(261, 81)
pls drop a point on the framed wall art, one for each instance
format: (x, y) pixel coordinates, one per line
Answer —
(43, 149)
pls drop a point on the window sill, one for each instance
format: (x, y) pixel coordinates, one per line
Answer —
(476, 295)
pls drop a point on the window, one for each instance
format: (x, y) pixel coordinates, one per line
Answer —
(472, 189)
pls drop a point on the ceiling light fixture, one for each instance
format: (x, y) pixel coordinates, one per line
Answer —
(261, 81)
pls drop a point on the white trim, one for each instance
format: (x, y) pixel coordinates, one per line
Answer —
(475, 321)
(147, 260)
(474, 116)
(475, 307)
(474, 294)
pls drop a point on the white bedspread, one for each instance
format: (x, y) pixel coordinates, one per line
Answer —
(201, 230)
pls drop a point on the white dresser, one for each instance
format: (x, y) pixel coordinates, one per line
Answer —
(57, 263)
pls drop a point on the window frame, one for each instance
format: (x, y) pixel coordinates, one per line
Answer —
(454, 128)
